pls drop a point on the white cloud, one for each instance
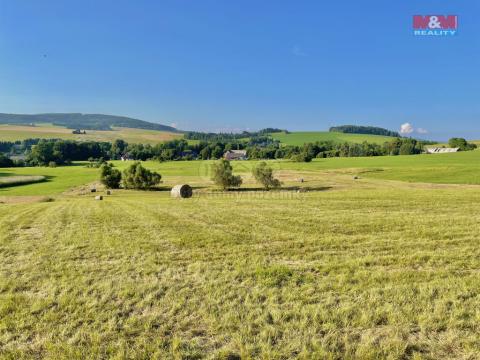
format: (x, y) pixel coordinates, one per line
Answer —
(406, 129)
(297, 51)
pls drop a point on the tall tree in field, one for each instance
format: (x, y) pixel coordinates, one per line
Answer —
(264, 175)
(110, 177)
(222, 175)
(138, 177)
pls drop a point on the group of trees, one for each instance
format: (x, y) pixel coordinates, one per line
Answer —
(134, 177)
(462, 144)
(53, 152)
(138, 177)
(357, 129)
(325, 149)
(59, 152)
(226, 137)
(222, 175)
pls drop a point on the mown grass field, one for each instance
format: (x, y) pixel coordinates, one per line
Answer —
(49, 131)
(300, 138)
(369, 268)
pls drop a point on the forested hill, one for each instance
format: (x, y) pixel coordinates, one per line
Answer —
(83, 121)
(357, 129)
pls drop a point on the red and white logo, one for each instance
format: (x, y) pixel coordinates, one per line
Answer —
(435, 25)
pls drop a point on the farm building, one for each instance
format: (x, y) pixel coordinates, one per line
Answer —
(438, 150)
(235, 155)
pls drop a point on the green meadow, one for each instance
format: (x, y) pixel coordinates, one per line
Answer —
(300, 138)
(384, 266)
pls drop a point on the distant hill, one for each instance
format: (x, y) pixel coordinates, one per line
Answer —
(369, 130)
(83, 121)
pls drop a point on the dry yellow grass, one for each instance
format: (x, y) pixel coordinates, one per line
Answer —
(48, 131)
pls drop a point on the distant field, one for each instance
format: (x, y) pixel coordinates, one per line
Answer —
(48, 131)
(300, 138)
(457, 168)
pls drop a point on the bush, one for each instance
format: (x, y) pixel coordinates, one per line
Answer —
(138, 177)
(301, 157)
(461, 143)
(223, 175)
(52, 164)
(264, 175)
(95, 163)
(110, 177)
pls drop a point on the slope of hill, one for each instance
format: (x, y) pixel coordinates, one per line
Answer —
(300, 138)
(49, 131)
(358, 129)
(83, 121)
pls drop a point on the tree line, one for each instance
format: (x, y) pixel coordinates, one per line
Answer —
(61, 152)
(195, 135)
(357, 129)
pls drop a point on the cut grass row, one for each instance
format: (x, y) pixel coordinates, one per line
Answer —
(20, 180)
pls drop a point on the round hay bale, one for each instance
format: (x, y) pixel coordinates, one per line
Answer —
(181, 191)
(99, 197)
(109, 192)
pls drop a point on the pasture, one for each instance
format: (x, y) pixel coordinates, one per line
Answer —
(49, 131)
(385, 266)
(300, 138)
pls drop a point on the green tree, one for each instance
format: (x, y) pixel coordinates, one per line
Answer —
(42, 153)
(109, 176)
(118, 148)
(264, 175)
(407, 148)
(461, 143)
(217, 152)
(138, 177)
(222, 175)
(301, 157)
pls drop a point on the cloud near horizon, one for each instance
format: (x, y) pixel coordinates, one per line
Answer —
(407, 128)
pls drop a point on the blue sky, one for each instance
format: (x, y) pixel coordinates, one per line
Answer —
(235, 65)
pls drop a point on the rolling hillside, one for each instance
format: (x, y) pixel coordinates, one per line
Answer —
(49, 131)
(83, 121)
(300, 138)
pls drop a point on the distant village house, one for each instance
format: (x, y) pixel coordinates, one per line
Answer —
(235, 155)
(78, 131)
